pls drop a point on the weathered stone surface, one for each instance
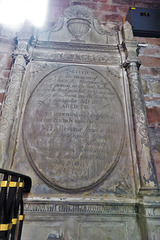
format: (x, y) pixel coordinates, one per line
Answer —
(73, 123)
(84, 220)
(75, 120)
(72, 158)
(85, 228)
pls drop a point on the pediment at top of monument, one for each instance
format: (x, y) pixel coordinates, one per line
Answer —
(78, 25)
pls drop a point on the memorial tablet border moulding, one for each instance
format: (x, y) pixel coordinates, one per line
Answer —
(96, 58)
(91, 208)
(104, 176)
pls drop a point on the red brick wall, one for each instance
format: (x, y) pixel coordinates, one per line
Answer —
(105, 10)
(112, 11)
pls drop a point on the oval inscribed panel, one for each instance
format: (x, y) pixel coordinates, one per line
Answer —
(73, 128)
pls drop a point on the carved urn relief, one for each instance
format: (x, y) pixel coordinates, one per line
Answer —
(78, 27)
(79, 22)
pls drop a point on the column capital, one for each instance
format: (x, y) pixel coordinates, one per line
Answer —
(132, 61)
(128, 63)
(23, 54)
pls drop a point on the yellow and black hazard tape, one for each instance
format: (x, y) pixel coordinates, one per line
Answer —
(5, 227)
(4, 184)
(14, 221)
(21, 184)
(21, 217)
(12, 184)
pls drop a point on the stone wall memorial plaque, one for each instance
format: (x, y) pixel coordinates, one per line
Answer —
(76, 130)
(76, 125)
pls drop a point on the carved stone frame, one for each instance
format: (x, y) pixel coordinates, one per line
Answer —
(9, 119)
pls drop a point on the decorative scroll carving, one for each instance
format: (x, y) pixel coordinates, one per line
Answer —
(58, 26)
(98, 27)
(80, 20)
(78, 25)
